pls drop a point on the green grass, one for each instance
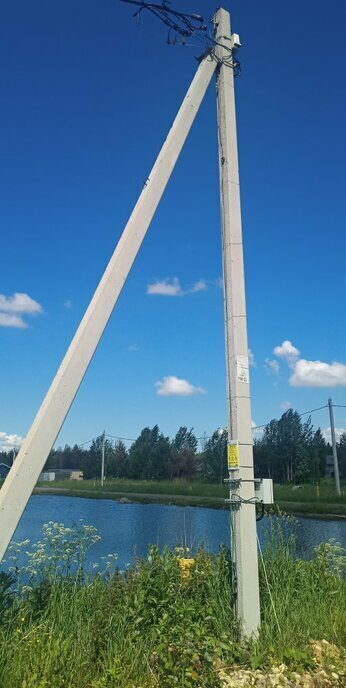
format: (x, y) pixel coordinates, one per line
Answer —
(304, 500)
(312, 499)
(153, 627)
(325, 492)
(313, 509)
(169, 487)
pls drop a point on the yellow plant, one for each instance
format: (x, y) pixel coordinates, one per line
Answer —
(185, 566)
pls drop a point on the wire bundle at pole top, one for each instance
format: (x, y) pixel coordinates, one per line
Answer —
(185, 26)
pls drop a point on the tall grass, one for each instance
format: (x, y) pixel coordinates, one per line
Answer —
(307, 599)
(166, 621)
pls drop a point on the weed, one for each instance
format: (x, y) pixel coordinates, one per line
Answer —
(167, 621)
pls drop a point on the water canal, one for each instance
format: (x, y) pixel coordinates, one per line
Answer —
(128, 529)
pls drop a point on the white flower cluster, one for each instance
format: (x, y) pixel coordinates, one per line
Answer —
(61, 551)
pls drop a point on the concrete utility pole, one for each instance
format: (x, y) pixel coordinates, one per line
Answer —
(103, 458)
(335, 453)
(25, 471)
(240, 453)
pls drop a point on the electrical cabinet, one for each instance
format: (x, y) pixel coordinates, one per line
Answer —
(264, 490)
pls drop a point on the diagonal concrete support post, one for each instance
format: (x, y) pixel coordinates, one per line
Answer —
(25, 471)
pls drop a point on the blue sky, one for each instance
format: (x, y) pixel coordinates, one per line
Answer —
(87, 99)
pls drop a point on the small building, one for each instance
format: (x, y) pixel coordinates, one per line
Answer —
(60, 474)
(46, 477)
(329, 467)
(4, 469)
(76, 475)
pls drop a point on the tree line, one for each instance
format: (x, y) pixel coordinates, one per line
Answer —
(289, 450)
(152, 456)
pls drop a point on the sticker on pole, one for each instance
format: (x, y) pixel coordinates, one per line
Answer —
(243, 369)
(233, 455)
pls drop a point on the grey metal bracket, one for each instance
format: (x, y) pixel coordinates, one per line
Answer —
(234, 503)
(234, 483)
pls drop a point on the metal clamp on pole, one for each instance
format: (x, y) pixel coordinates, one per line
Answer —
(263, 488)
(234, 483)
(234, 503)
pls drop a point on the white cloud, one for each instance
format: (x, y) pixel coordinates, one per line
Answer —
(201, 285)
(168, 287)
(310, 373)
(19, 303)
(285, 405)
(172, 287)
(132, 347)
(252, 361)
(9, 442)
(175, 386)
(272, 367)
(11, 320)
(318, 374)
(328, 435)
(287, 351)
(68, 303)
(219, 282)
(12, 309)
(257, 432)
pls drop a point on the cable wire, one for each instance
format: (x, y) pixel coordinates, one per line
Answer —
(313, 410)
(186, 25)
(304, 413)
(126, 439)
(208, 437)
(82, 444)
(267, 584)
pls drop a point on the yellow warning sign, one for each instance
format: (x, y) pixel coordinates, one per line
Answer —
(233, 455)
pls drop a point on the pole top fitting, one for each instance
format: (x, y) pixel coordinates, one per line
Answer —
(235, 40)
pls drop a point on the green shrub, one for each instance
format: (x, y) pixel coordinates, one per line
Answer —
(167, 621)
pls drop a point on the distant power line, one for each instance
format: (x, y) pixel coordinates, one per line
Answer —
(87, 442)
(208, 437)
(304, 413)
(125, 439)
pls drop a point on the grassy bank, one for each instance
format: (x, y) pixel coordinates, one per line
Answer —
(312, 499)
(159, 487)
(168, 620)
(305, 500)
